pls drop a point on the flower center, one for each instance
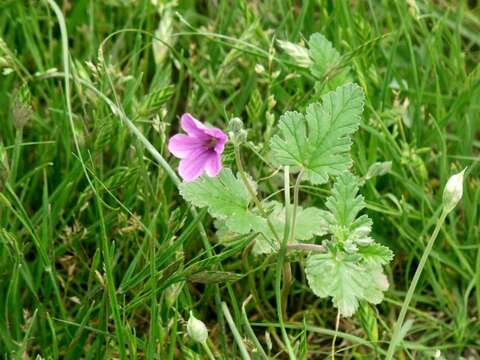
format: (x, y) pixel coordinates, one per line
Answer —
(211, 143)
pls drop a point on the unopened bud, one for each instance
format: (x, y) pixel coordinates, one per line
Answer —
(196, 329)
(259, 69)
(453, 191)
(236, 131)
(235, 124)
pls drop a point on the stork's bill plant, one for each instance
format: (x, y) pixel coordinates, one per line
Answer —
(342, 259)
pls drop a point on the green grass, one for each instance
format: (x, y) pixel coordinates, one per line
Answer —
(99, 256)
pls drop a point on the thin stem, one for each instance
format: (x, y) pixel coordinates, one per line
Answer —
(278, 283)
(236, 335)
(253, 195)
(403, 312)
(251, 333)
(287, 270)
(296, 191)
(208, 351)
(337, 323)
(280, 264)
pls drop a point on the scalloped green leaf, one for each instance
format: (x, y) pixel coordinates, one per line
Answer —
(320, 140)
(326, 64)
(225, 197)
(346, 279)
(344, 206)
(376, 254)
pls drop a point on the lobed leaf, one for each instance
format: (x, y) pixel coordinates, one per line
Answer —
(326, 62)
(226, 198)
(346, 280)
(320, 140)
(323, 55)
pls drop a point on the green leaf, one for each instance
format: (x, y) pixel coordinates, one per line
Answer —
(320, 140)
(326, 62)
(346, 279)
(352, 270)
(376, 254)
(226, 198)
(344, 203)
(323, 54)
(310, 222)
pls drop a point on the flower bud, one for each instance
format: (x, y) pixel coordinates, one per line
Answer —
(453, 191)
(236, 131)
(196, 329)
(259, 69)
(235, 124)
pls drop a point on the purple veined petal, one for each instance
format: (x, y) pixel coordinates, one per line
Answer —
(220, 145)
(213, 165)
(192, 126)
(220, 136)
(193, 166)
(182, 145)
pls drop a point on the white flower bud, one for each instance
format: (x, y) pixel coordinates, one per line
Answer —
(259, 69)
(196, 329)
(453, 191)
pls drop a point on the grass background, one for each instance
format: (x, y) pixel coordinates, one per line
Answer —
(87, 263)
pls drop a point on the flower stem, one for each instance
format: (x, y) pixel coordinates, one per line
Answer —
(337, 323)
(296, 191)
(208, 351)
(287, 270)
(403, 311)
(280, 265)
(253, 195)
(236, 335)
(278, 283)
(289, 234)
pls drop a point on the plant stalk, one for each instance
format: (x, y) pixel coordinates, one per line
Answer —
(411, 290)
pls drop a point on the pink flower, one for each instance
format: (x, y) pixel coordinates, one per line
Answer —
(199, 150)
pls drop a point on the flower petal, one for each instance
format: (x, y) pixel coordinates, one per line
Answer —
(220, 136)
(193, 166)
(192, 126)
(182, 145)
(213, 165)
